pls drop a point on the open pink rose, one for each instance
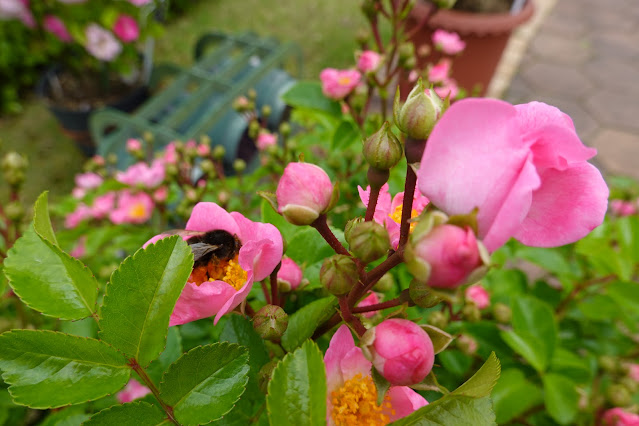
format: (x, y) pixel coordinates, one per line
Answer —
(101, 43)
(351, 395)
(388, 212)
(337, 84)
(369, 61)
(619, 417)
(132, 391)
(80, 214)
(261, 252)
(265, 139)
(103, 205)
(478, 295)
(524, 168)
(132, 208)
(448, 42)
(143, 175)
(126, 28)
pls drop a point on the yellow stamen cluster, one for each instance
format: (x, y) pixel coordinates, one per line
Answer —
(355, 403)
(397, 216)
(137, 211)
(344, 81)
(234, 275)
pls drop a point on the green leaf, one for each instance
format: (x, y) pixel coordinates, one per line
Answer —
(439, 337)
(551, 259)
(600, 307)
(239, 329)
(70, 416)
(269, 215)
(455, 410)
(626, 294)
(308, 246)
(561, 397)
(41, 219)
(171, 353)
(297, 390)
(513, 395)
(308, 94)
(48, 369)
(570, 365)
(140, 298)
(528, 346)
(130, 414)
(381, 385)
(533, 317)
(49, 280)
(205, 383)
(455, 362)
(345, 135)
(483, 381)
(302, 324)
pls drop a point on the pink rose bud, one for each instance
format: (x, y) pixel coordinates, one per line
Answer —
(161, 194)
(448, 42)
(133, 145)
(337, 84)
(444, 257)
(400, 350)
(126, 28)
(56, 26)
(478, 295)
(623, 208)
(265, 140)
(303, 193)
(203, 150)
(369, 61)
(289, 276)
(619, 417)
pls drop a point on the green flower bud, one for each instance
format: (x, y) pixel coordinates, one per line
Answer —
(619, 395)
(467, 344)
(266, 111)
(239, 165)
(368, 241)
(406, 50)
(171, 170)
(438, 319)
(418, 115)
(207, 166)
(14, 162)
(503, 314)
(608, 363)
(254, 129)
(385, 283)
(422, 295)
(219, 152)
(350, 225)
(339, 274)
(270, 322)
(362, 36)
(369, 8)
(410, 63)
(285, 129)
(445, 4)
(383, 150)
(205, 140)
(224, 197)
(471, 312)
(252, 94)
(265, 374)
(111, 158)
(14, 211)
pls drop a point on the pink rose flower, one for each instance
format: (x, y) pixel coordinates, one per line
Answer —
(55, 26)
(633, 372)
(448, 42)
(17, 9)
(371, 299)
(261, 252)
(170, 154)
(369, 61)
(161, 194)
(88, 180)
(141, 174)
(439, 73)
(337, 84)
(132, 391)
(140, 2)
(80, 214)
(101, 43)
(478, 295)
(351, 395)
(401, 351)
(389, 212)
(265, 139)
(524, 168)
(448, 88)
(203, 150)
(303, 193)
(290, 275)
(619, 417)
(126, 28)
(103, 205)
(132, 208)
(623, 208)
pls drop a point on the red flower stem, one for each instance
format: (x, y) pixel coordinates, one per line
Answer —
(372, 204)
(149, 384)
(322, 227)
(422, 22)
(274, 290)
(327, 326)
(267, 295)
(377, 307)
(350, 318)
(249, 310)
(374, 275)
(407, 205)
(378, 38)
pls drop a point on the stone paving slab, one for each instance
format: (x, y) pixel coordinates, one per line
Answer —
(584, 59)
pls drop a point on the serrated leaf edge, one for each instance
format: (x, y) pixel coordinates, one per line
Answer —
(491, 359)
(137, 403)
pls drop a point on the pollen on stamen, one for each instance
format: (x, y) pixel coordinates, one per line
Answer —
(234, 275)
(355, 402)
(396, 215)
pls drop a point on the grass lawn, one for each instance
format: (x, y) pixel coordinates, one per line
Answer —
(324, 29)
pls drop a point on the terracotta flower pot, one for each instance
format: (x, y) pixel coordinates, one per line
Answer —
(485, 34)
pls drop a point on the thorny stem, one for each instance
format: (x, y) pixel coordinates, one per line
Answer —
(407, 205)
(149, 384)
(372, 203)
(274, 290)
(348, 316)
(322, 227)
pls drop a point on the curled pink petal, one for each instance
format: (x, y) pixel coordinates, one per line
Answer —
(197, 302)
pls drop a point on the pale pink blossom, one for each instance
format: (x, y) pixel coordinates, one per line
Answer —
(191, 145)
(265, 139)
(371, 299)
(56, 26)
(448, 87)
(478, 295)
(98, 160)
(348, 372)
(103, 205)
(290, 275)
(170, 154)
(161, 194)
(133, 145)
(101, 43)
(141, 174)
(303, 193)
(132, 391)
(439, 73)
(523, 166)
(126, 28)
(413, 76)
(140, 2)
(449, 42)
(623, 208)
(132, 208)
(619, 417)
(78, 193)
(260, 253)
(17, 9)
(88, 180)
(369, 61)
(80, 214)
(337, 84)
(388, 212)
(203, 150)
(401, 351)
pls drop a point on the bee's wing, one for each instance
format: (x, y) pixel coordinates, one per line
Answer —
(202, 249)
(183, 232)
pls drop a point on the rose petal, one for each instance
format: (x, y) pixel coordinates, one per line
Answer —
(404, 401)
(341, 343)
(197, 302)
(235, 299)
(209, 216)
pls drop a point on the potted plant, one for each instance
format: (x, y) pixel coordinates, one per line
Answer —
(484, 26)
(101, 63)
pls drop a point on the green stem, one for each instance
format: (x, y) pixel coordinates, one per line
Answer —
(149, 384)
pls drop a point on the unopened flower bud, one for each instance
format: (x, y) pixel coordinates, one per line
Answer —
(383, 150)
(368, 241)
(241, 104)
(418, 115)
(368, 8)
(223, 197)
(14, 211)
(350, 225)
(270, 322)
(608, 363)
(111, 158)
(630, 384)
(422, 295)
(289, 276)
(406, 50)
(471, 313)
(14, 161)
(252, 94)
(400, 350)
(207, 166)
(239, 165)
(219, 152)
(444, 257)
(190, 195)
(339, 274)
(385, 283)
(438, 319)
(410, 63)
(619, 395)
(478, 295)
(148, 136)
(503, 314)
(266, 111)
(265, 374)
(304, 192)
(254, 129)
(362, 36)
(285, 129)
(467, 344)
(171, 170)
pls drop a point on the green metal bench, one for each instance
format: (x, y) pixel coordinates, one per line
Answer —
(198, 100)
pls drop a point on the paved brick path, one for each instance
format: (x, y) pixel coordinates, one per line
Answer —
(584, 59)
